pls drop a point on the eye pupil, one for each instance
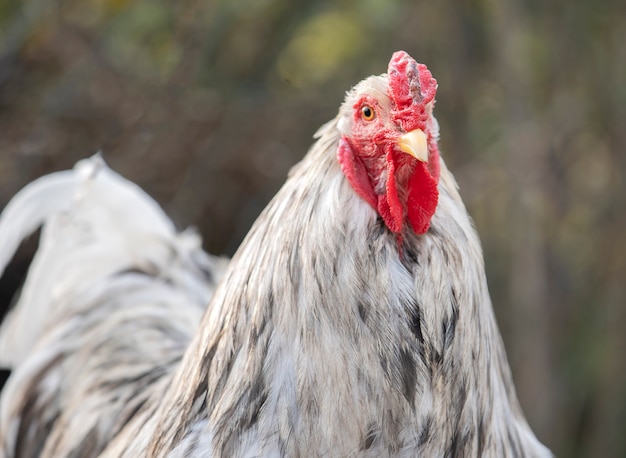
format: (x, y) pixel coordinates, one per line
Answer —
(367, 113)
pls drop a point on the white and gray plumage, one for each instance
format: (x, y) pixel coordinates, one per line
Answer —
(354, 320)
(109, 306)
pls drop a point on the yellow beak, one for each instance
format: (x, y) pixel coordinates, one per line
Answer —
(415, 143)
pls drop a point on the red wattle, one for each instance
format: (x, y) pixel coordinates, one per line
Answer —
(422, 193)
(356, 173)
(422, 198)
(389, 205)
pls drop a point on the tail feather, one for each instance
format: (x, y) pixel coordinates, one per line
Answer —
(95, 223)
(111, 300)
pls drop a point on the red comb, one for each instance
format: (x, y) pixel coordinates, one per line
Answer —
(411, 87)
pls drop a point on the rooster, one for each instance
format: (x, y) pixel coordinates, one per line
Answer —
(354, 320)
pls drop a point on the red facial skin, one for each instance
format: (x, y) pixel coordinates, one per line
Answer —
(371, 154)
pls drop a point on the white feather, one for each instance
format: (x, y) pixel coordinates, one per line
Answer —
(113, 293)
(88, 235)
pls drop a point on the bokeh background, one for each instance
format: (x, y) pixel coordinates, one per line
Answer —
(207, 104)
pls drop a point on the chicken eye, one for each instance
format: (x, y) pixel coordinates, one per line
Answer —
(367, 113)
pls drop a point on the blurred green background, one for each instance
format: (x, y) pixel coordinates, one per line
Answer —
(207, 104)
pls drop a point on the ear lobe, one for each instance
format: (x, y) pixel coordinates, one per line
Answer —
(343, 125)
(355, 172)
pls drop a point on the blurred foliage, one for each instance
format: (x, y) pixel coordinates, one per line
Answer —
(207, 104)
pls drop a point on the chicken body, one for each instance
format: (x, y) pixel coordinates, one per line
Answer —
(352, 321)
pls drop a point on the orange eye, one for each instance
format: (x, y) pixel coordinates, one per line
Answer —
(367, 113)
